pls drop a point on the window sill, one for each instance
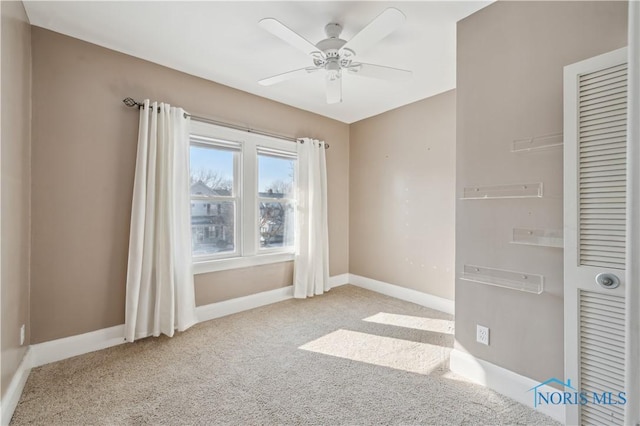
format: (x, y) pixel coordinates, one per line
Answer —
(206, 266)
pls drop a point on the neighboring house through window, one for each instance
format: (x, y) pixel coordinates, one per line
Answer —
(242, 198)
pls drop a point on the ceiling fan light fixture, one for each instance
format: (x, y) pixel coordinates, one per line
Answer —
(319, 62)
(334, 75)
(333, 69)
(347, 53)
(354, 68)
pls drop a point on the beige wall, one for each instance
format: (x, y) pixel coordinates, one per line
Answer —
(84, 142)
(402, 176)
(509, 86)
(242, 282)
(15, 177)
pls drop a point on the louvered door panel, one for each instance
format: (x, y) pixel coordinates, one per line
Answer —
(595, 230)
(602, 153)
(602, 340)
(602, 122)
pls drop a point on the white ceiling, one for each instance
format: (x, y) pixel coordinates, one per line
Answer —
(222, 42)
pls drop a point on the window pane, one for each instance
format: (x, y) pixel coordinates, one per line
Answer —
(211, 171)
(212, 227)
(276, 224)
(275, 176)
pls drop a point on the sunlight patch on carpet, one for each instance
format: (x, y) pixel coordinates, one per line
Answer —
(416, 323)
(414, 357)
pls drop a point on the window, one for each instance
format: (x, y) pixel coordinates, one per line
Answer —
(214, 198)
(275, 198)
(242, 198)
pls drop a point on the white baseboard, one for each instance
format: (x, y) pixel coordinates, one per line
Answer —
(233, 306)
(503, 381)
(67, 347)
(59, 349)
(12, 395)
(403, 293)
(338, 280)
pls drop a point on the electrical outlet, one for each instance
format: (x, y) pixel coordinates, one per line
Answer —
(22, 335)
(482, 334)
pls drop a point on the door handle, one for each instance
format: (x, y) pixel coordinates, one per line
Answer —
(607, 280)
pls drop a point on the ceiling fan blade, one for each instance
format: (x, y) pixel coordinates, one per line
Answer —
(286, 76)
(378, 71)
(334, 90)
(280, 30)
(383, 25)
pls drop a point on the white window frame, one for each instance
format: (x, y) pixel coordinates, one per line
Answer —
(236, 194)
(290, 155)
(247, 235)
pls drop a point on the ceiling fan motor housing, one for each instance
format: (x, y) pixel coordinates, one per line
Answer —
(331, 46)
(333, 59)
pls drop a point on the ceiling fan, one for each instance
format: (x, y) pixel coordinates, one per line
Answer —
(336, 56)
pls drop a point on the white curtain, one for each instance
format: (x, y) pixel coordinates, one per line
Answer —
(160, 292)
(311, 267)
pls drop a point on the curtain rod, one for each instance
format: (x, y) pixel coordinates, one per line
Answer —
(130, 102)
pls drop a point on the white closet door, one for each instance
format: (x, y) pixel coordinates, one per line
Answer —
(595, 152)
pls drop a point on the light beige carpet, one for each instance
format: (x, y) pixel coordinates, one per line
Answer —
(349, 357)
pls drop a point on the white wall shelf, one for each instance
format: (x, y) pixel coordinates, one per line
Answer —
(537, 143)
(525, 190)
(538, 237)
(523, 281)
